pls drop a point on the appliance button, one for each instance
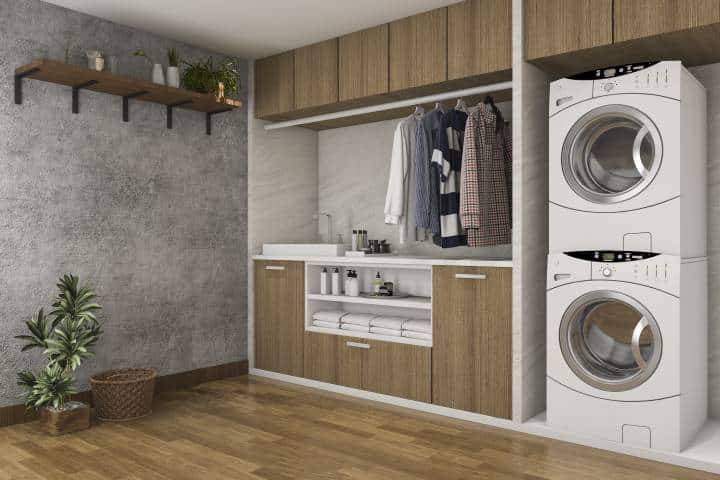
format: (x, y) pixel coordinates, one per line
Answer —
(608, 87)
(606, 272)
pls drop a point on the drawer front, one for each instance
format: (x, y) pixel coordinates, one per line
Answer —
(352, 356)
(398, 369)
(321, 357)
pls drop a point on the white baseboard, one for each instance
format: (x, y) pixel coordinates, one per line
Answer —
(702, 454)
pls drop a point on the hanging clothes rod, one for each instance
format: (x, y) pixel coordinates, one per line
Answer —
(411, 102)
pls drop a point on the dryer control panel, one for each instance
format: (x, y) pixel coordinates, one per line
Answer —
(645, 268)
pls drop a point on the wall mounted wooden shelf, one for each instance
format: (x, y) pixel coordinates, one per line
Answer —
(79, 78)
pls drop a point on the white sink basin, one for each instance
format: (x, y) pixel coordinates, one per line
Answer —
(304, 249)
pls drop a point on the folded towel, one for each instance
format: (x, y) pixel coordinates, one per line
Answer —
(418, 325)
(362, 319)
(416, 335)
(328, 315)
(386, 331)
(354, 328)
(320, 323)
(393, 323)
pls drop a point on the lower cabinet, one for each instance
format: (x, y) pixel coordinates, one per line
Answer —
(390, 368)
(279, 307)
(472, 339)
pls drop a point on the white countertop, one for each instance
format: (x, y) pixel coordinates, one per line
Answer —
(394, 260)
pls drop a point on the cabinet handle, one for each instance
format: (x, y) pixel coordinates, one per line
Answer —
(358, 345)
(274, 267)
(471, 276)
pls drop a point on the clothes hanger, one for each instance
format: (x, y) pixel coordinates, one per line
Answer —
(418, 110)
(499, 120)
(439, 106)
(460, 105)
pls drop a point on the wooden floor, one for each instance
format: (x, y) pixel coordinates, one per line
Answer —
(253, 428)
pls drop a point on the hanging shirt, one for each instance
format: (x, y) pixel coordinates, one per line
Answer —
(427, 214)
(447, 160)
(486, 183)
(400, 198)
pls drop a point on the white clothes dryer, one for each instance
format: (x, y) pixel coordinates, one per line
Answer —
(628, 160)
(627, 346)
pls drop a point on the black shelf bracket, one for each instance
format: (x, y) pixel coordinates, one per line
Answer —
(18, 83)
(76, 94)
(208, 119)
(170, 111)
(126, 103)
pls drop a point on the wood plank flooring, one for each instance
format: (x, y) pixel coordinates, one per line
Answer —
(251, 428)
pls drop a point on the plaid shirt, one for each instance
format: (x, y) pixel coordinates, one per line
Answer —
(486, 181)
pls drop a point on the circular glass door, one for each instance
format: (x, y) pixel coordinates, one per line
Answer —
(610, 341)
(611, 154)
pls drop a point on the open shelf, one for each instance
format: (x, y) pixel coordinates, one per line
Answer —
(79, 78)
(423, 303)
(369, 336)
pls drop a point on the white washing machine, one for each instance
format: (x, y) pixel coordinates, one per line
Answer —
(628, 161)
(627, 347)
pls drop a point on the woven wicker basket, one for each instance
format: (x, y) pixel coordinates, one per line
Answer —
(122, 395)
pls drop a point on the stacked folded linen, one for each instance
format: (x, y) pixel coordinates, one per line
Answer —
(356, 322)
(387, 325)
(386, 331)
(327, 318)
(418, 329)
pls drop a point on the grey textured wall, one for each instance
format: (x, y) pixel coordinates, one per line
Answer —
(155, 219)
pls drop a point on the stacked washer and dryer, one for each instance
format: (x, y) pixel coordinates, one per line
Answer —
(627, 273)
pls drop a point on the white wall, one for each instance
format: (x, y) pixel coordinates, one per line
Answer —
(354, 167)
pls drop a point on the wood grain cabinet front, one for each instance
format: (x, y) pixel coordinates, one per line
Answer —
(321, 358)
(418, 50)
(316, 74)
(553, 27)
(363, 63)
(644, 18)
(274, 86)
(399, 370)
(472, 339)
(479, 38)
(279, 311)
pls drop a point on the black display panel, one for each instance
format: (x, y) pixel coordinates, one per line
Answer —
(610, 72)
(608, 256)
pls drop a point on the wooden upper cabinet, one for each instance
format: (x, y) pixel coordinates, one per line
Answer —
(274, 90)
(418, 50)
(279, 312)
(644, 18)
(363, 63)
(479, 37)
(559, 26)
(316, 74)
(472, 339)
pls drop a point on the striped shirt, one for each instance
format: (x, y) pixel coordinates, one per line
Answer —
(427, 191)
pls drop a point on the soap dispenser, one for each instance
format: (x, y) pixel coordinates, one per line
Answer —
(377, 284)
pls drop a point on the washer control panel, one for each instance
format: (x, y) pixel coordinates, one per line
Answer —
(661, 78)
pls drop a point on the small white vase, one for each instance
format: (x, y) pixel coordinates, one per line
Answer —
(157, 74)
(173, 77)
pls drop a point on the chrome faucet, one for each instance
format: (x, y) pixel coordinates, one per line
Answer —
(329, 224)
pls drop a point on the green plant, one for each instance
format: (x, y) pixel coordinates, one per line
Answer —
(141, 53)
(173, 57)
(204, 75)
(67, 338)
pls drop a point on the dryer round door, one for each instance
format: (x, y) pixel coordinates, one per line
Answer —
(610, 340)
(611, 154)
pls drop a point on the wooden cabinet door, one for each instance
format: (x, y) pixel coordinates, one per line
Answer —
(472, 339)
(363, 63)
(321, 357)
(352, 355)
(559, 26)
(316, 74)
(398, 369)
(274, 89)
(644, 18)
(279, 305)
(479, 37)
(418, 50)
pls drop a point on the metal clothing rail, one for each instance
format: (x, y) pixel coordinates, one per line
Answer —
(411, 102)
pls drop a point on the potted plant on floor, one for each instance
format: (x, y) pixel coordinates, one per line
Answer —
(67, 337)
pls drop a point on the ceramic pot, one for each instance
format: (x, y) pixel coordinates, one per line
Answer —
(173, 77)
(158, 76)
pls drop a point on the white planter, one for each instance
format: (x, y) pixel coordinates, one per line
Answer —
(173, 77)
(157, 74)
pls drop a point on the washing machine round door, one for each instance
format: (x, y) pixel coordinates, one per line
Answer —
(611, 154)
(610, 341)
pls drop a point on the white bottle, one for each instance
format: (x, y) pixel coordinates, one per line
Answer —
(355, 241)
(324, 282)
(336, 281)
(354, 286)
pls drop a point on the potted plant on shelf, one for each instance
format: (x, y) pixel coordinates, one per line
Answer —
(205, 76)
(173, 74)
(67, 337)
(157, 72)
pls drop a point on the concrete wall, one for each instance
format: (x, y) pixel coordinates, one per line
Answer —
(154, 219)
